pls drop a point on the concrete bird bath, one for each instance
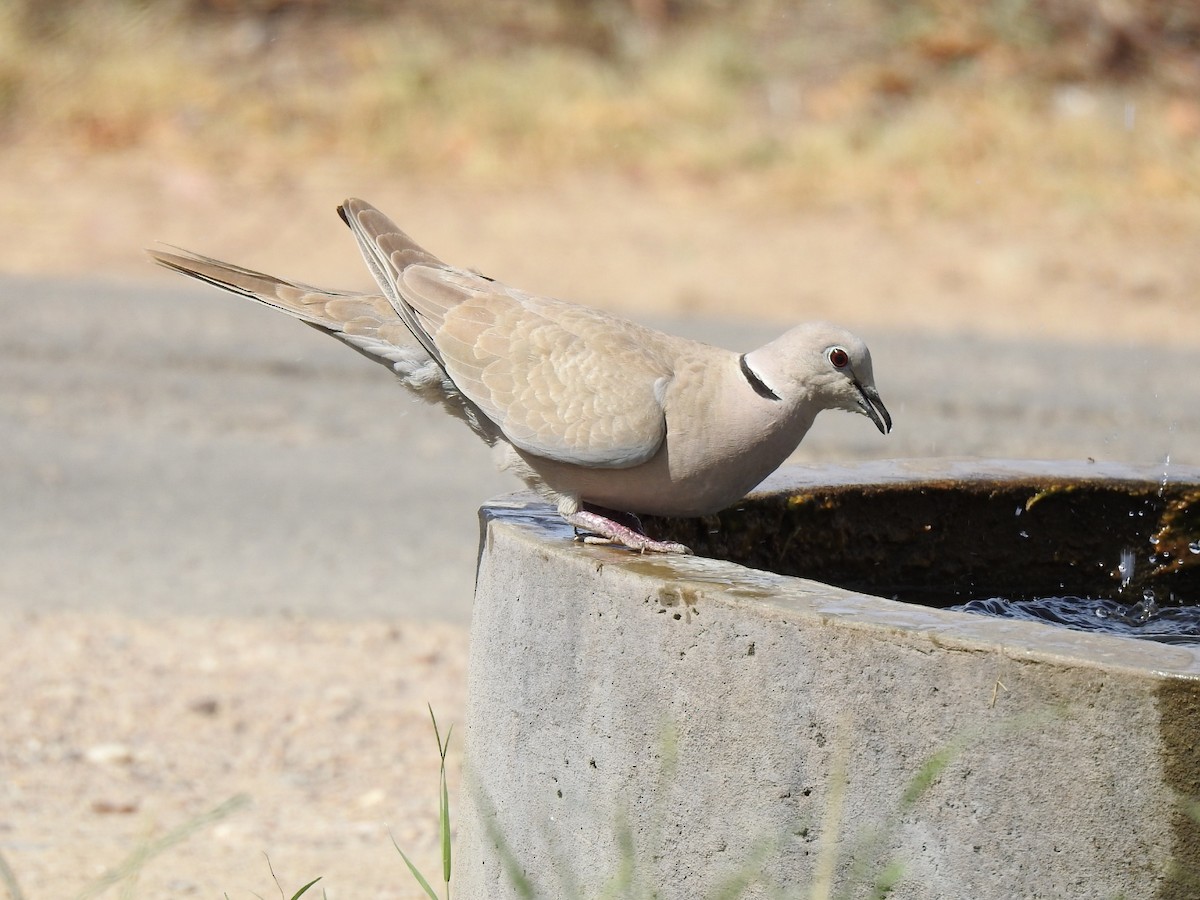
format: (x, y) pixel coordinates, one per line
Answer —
(671, 726)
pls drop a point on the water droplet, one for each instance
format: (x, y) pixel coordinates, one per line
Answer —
(1148, 595)
(1024, 534)
(1020, 509)
(1125, 566)
(1154, 539)
(1194, 547)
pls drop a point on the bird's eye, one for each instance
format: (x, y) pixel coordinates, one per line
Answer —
(838, 358)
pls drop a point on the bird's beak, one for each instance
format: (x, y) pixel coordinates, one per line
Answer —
(873, 407)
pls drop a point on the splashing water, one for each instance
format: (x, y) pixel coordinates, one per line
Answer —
(1125, 567)
(1162, 485)
(1143, 611)
(1145, 619)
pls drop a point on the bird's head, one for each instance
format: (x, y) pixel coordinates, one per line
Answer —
(824, 365)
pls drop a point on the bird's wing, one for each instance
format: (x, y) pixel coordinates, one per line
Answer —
(388, 251)
(561, 381)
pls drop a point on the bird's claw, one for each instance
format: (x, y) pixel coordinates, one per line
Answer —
(602, 530)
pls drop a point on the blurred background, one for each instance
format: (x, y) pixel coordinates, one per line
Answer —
(237, 559)
(1009, 164)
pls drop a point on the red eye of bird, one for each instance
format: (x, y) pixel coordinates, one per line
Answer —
(838, 358)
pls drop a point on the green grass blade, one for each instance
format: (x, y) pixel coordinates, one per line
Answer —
(929, 773)
(416, 873)
(508, 860)
(620, 883)
(443, 799)
(887, 880)
(9, 879)
(1191, 808)
(443, 815)
(437, 734)
(303, 890)
(140, 857)
(444, 820)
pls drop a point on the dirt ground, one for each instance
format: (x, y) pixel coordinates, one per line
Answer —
(120, 729)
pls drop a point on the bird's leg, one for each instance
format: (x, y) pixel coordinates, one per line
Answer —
(603, 529)
(628, 519)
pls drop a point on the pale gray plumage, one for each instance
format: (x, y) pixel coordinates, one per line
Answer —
(595, 412)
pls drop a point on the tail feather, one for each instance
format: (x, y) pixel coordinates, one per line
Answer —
(368, 323)
(326, 309)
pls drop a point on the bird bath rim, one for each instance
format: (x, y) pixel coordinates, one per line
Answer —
(1061, 741)
(682, 579)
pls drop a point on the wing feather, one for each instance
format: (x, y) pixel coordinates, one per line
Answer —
(560, 381)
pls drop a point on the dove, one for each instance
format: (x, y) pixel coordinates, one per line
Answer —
(605, 418)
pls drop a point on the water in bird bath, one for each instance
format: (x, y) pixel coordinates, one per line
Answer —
(1147, 620)
(1133, 610)
(1099, 548)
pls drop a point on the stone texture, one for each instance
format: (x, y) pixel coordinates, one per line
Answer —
(671, 727)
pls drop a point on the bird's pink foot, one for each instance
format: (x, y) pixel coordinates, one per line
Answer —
(603, 530)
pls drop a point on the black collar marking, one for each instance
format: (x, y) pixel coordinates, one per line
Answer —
(757, 383)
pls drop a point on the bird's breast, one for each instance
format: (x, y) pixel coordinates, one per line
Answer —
(722, 439)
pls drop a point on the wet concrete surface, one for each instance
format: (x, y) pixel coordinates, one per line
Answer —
(169, 449)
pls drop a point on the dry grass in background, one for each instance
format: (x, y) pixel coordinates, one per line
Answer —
(1015, 106)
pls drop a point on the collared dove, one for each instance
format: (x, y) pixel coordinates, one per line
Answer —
(603, 417)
